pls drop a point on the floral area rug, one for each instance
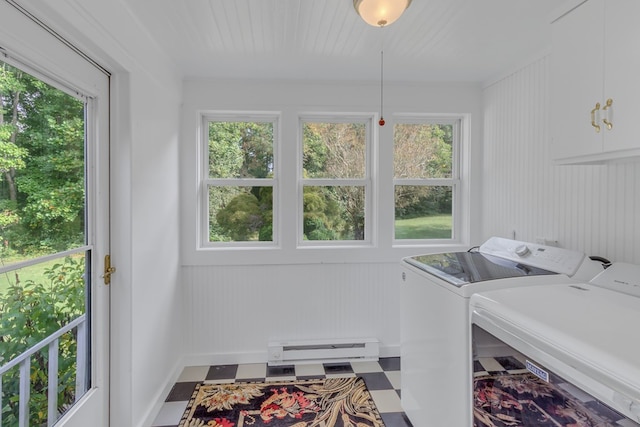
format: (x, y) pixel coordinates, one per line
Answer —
(330, 402)
(523, 400)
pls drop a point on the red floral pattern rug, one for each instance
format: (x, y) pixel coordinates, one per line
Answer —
(523, 400)
(330, 402)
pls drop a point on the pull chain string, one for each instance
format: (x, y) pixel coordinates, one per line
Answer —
(381, 122)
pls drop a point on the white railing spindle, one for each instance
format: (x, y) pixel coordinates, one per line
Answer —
(81, 360)
(24, 363)
(25, 392)
(52, 386)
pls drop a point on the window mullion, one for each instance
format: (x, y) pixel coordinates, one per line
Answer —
(427, 182)
(336, 182)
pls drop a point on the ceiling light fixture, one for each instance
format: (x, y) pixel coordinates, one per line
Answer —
(380, 13)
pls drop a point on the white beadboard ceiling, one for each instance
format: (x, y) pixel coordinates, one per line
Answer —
(435, 40)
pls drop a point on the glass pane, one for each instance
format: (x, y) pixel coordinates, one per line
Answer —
(42, 212)
(334, 213)
(240, 214)
(422, 151)
(240, 150)
(423, 212)
(334, 150)
(35, 302)
(42, 188)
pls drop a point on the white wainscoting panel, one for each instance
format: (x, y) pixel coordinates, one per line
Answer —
(592, 208)
(233, 311)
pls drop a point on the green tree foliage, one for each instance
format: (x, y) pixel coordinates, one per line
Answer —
(321, 215)
(42, 163)
(314, 154)
(422, 152)
(29, 313)
(241, 217)
(42, 211)
(241, 150)
(334, 150)
(330, 151)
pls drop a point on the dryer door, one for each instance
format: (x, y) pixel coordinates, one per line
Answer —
(567, 337)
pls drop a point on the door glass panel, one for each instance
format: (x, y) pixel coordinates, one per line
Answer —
(44, 249)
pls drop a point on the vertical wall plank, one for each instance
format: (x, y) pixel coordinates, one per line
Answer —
(591, 208)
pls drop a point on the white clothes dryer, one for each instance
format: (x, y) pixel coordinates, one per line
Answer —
(578, 339)
(435, 328)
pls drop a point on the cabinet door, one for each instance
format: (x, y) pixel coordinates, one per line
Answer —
(576, 74)
(622, 73)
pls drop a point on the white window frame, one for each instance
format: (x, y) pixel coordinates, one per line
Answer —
(206, 182)
(455, 182)
(367, 181)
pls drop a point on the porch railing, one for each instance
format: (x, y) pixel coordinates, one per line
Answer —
(24, 363)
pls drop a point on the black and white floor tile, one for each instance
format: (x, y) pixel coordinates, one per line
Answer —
(507, 365)
(382, 379)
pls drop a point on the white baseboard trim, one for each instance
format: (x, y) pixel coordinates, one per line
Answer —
(160, 397)
(256, 357)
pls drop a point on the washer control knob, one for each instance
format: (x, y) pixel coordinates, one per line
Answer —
(522, 250)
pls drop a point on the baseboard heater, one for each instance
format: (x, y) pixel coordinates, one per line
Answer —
(318, 351)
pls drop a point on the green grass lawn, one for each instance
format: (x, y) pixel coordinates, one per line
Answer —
(34, 272)
(429, 227)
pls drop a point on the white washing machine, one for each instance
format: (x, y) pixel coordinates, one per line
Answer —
(577, 342)
(435, 328)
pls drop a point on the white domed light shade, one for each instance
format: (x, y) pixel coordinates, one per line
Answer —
(380, 13)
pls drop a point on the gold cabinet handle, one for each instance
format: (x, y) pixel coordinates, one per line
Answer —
(607, 114)
(593, 117)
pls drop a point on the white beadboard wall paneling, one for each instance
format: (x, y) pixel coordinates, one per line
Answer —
(591, 208)
(233, 311)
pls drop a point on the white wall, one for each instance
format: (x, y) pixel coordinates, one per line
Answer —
(594, 209)
(146, 302)
(234, 311)
(236, 301)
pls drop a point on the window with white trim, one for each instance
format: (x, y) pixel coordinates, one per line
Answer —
(239, 176)
(335, 205)
(426, 178)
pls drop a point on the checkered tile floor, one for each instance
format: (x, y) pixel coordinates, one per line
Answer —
(382, 378)
(516, 365)
(499, 365)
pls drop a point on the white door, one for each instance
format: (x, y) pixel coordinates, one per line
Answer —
(55, 189)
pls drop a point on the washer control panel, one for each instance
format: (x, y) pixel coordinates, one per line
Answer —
(550, 258)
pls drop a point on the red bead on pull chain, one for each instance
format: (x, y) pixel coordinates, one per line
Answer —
(381, 121)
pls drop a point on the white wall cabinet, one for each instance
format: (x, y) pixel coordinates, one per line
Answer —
(595, 59)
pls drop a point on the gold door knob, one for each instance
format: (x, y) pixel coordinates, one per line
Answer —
(108, 270)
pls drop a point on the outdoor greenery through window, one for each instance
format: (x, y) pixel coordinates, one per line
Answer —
(334, 199)
(240, 179)
(43, 252)
(425, 179)
(335, 179)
